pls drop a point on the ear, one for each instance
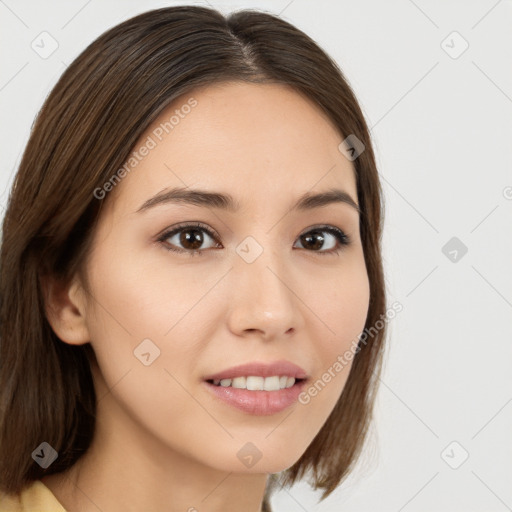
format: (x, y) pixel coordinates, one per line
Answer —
(65, 307)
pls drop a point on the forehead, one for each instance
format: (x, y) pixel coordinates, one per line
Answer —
(259, 142)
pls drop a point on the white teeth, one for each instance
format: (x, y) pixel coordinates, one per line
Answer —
(238, 382)
(256, 383)
(271, 383)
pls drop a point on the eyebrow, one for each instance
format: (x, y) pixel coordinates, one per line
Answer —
(307, 201)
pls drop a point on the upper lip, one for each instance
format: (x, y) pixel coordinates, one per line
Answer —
(260, 369)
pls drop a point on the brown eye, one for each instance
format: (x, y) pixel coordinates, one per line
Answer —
(315, 240)
(189, 238)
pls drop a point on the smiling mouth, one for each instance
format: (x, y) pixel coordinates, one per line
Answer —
(257, 383)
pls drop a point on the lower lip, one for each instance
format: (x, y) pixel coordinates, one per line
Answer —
(261, 403)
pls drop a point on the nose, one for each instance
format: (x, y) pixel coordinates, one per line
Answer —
(264, 299)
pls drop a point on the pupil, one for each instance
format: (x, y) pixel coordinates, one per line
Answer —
(310, 236)
(196, 239)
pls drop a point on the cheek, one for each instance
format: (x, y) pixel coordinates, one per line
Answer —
(142, 340)
(344, 304)
(143, 306)
(343, 307)
(141, 297)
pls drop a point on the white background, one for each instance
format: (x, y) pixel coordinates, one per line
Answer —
(442, 129)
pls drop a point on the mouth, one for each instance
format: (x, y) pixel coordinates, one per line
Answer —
(258, 388)
(256, 395)
(257, 383)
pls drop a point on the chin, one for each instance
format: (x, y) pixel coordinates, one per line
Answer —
(268, 463)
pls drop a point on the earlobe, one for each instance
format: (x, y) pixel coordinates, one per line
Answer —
(65, 309)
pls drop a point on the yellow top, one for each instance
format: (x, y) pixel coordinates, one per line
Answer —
(34, 498)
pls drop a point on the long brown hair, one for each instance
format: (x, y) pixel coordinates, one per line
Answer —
(82, 135)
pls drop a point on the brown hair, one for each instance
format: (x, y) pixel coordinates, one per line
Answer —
(82, 135)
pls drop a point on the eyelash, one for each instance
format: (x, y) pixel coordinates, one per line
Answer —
(342, 238)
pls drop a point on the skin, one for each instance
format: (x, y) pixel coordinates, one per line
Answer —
(162, 441)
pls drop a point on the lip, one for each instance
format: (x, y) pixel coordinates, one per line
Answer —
(258, 403)
(261, 369)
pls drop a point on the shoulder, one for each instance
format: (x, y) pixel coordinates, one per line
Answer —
(34, 498)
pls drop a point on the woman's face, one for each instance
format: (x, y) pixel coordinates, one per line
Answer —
(270, 283)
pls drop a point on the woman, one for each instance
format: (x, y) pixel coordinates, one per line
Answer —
(189, 266)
